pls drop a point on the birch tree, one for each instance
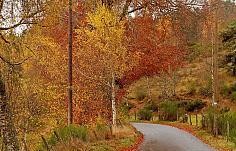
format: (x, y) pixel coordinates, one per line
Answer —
(102, 54)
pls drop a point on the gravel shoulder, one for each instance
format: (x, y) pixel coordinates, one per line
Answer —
(166, 138)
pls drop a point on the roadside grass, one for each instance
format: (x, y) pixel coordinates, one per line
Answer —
(103, 145)
(81, 138)
(219, 143)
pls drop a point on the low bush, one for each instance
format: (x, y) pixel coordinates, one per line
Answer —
(169, 110)
(195, 50)
(222, 124)
(191, 88)
(194, 105)
(225, 90)
(205, 91)
(233, 96)
(152, 106)
(223, 116)
(145, 114)
(65, 134)
(229, 92)
(233, 87)
(140, 93)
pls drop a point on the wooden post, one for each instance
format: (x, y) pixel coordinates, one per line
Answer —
(45, 143)
(111, 132)
(57, 136)
(196, 120)
(190, 119)
(177, 115)
(227, 131)
(203, 121)
(135, 115)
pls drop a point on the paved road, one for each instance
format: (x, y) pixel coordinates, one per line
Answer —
(167, 138)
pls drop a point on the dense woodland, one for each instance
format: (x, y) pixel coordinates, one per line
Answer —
(128, 56)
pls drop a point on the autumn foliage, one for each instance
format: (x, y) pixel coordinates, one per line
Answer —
(156, 55)
(129, 50)
(104, 46)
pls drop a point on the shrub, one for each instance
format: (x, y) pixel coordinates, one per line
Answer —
(205, 91)
(101, 129)
(194, 105)
(222, 119)
(233, 87)
(191, 88)
(169, 110)
(126, 106)
(222, 124)
(210, 118)
(65, 134)
(225, 90)
(152, 106)
(145, 114)
(195, 51)
(140, 93)
(123, 111)
(229, 91)
(233, 96)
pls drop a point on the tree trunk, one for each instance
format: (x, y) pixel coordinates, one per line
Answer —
(8, 131)
(113, 100)
(70, 47)
(148, 89)
(215, 79)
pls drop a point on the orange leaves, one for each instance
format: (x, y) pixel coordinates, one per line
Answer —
(147, 38)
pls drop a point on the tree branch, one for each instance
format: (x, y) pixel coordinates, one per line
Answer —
(23, 21)
(4, 39)
(12, 63)
(125, 9)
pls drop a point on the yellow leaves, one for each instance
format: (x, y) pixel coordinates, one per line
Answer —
(103, 43)
(103, 18)
(106, 32)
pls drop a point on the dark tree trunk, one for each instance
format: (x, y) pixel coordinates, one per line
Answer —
(234, 71)
(70, 47)
(8, 131)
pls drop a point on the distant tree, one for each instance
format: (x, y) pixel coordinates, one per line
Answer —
(229, 41)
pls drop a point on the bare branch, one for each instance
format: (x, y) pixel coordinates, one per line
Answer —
(12, 63)
(4, 39)
(125, 9)
(23, 21)
(139, 8)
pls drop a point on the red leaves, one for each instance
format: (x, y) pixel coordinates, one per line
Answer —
(154, 62)
(146, 38)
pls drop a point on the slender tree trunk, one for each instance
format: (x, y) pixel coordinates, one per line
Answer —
(8, 131)
(113, 100)
(215, 93)
(148, 89)
(70, 41)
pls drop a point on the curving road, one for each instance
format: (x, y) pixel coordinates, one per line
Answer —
(167, 138)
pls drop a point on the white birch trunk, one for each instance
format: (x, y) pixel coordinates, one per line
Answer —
(113, 100)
